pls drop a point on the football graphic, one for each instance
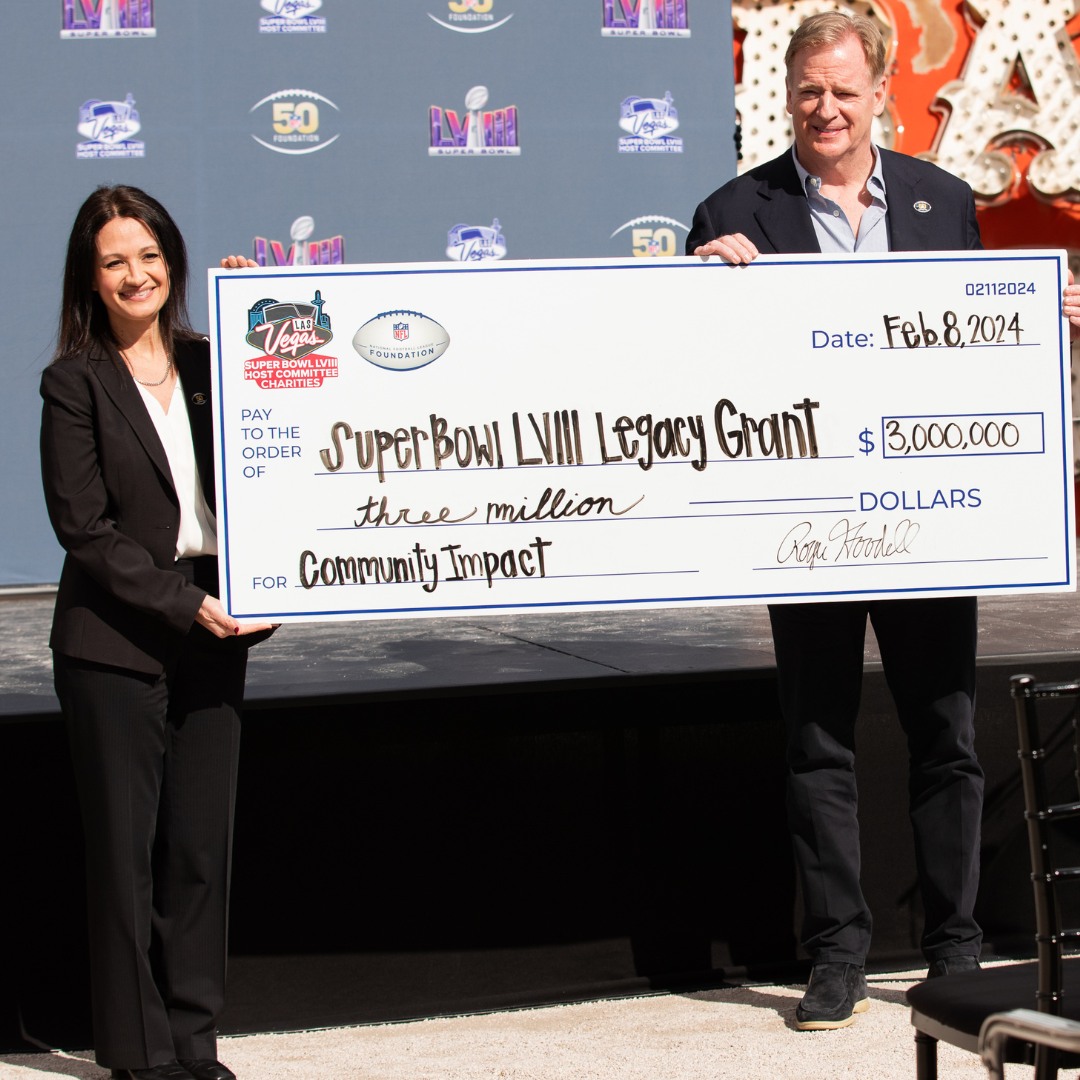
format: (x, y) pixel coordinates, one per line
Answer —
(401, 340)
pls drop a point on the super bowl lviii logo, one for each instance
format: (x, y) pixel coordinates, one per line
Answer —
(475, 243)
(645, 18)
(653, 236)
(494, 132)
(292, 17)
(649, 123)
(472, 17)
(303, 251)
(107, 127)
(288, 333)
(294, 123)
(108, 18)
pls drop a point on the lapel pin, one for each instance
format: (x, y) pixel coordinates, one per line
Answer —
(922, 207)
(198, 399)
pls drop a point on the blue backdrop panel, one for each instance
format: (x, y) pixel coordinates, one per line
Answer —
(246, 117)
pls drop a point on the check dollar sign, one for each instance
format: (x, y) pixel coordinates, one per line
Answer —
(864, 437)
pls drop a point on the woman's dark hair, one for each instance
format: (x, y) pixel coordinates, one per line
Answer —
(84, 319)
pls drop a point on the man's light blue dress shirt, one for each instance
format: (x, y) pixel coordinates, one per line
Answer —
(830, 222)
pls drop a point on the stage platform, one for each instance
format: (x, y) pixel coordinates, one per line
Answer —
(350, 663)
(444, 816)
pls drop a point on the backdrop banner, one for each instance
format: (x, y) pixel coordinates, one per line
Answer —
(428, 440)
(320, 132)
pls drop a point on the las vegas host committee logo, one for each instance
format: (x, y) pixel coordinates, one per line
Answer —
(292, 17)
(108, 128)
(475, 243)
(294, 122)
(289, 332)
(648, 123)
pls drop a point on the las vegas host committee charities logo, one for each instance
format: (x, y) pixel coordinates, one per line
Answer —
(288, 333)
(471, 17)
(475, 243)
(108, 127)
(649, 123)
(294, 122)
(292, 17)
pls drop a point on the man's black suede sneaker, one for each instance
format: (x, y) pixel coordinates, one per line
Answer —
(171, 1070)
(835, 993)
(953, 965)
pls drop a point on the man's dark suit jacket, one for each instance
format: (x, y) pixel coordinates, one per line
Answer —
(111, 500)
(768, 206)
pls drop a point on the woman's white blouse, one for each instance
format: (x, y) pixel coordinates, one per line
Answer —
(198, 528)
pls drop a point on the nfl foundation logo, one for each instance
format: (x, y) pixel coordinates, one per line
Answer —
(475, 243)
(645, 18)
(107, 127)
(401, 331)
(292, 17)
(650, 122)
(108, 19)
(482, 133)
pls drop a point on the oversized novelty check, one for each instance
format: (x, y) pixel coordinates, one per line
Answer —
(423, 439)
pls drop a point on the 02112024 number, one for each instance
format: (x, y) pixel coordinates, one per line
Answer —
(1000, 288)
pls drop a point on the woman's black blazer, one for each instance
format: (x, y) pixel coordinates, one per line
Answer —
(110, 496)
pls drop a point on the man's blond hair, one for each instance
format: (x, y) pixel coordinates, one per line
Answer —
(830, 28)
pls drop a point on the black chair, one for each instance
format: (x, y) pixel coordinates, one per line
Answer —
(1042, 1029)
(955, 1008)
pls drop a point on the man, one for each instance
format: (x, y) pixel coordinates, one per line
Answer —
(834, 191)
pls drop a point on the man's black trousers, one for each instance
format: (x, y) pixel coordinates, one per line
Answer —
(928, 653)
(155, 762)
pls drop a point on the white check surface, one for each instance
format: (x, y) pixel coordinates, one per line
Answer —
(926, 447)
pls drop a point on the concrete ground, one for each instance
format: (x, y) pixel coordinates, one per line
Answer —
(745, 1033)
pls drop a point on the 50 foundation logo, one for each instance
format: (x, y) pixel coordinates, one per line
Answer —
(108, 19)
(646, 18)
(652, 236)
(649, 123)
(108, 127)
(483, 133)
(294, 122)
(472, 17)
(288, 333)
(475, 243)
(303, 251)
(292, 17)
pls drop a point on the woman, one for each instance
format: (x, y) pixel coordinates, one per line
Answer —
(148, 665)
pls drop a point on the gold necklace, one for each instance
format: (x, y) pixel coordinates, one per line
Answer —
(168, 368)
